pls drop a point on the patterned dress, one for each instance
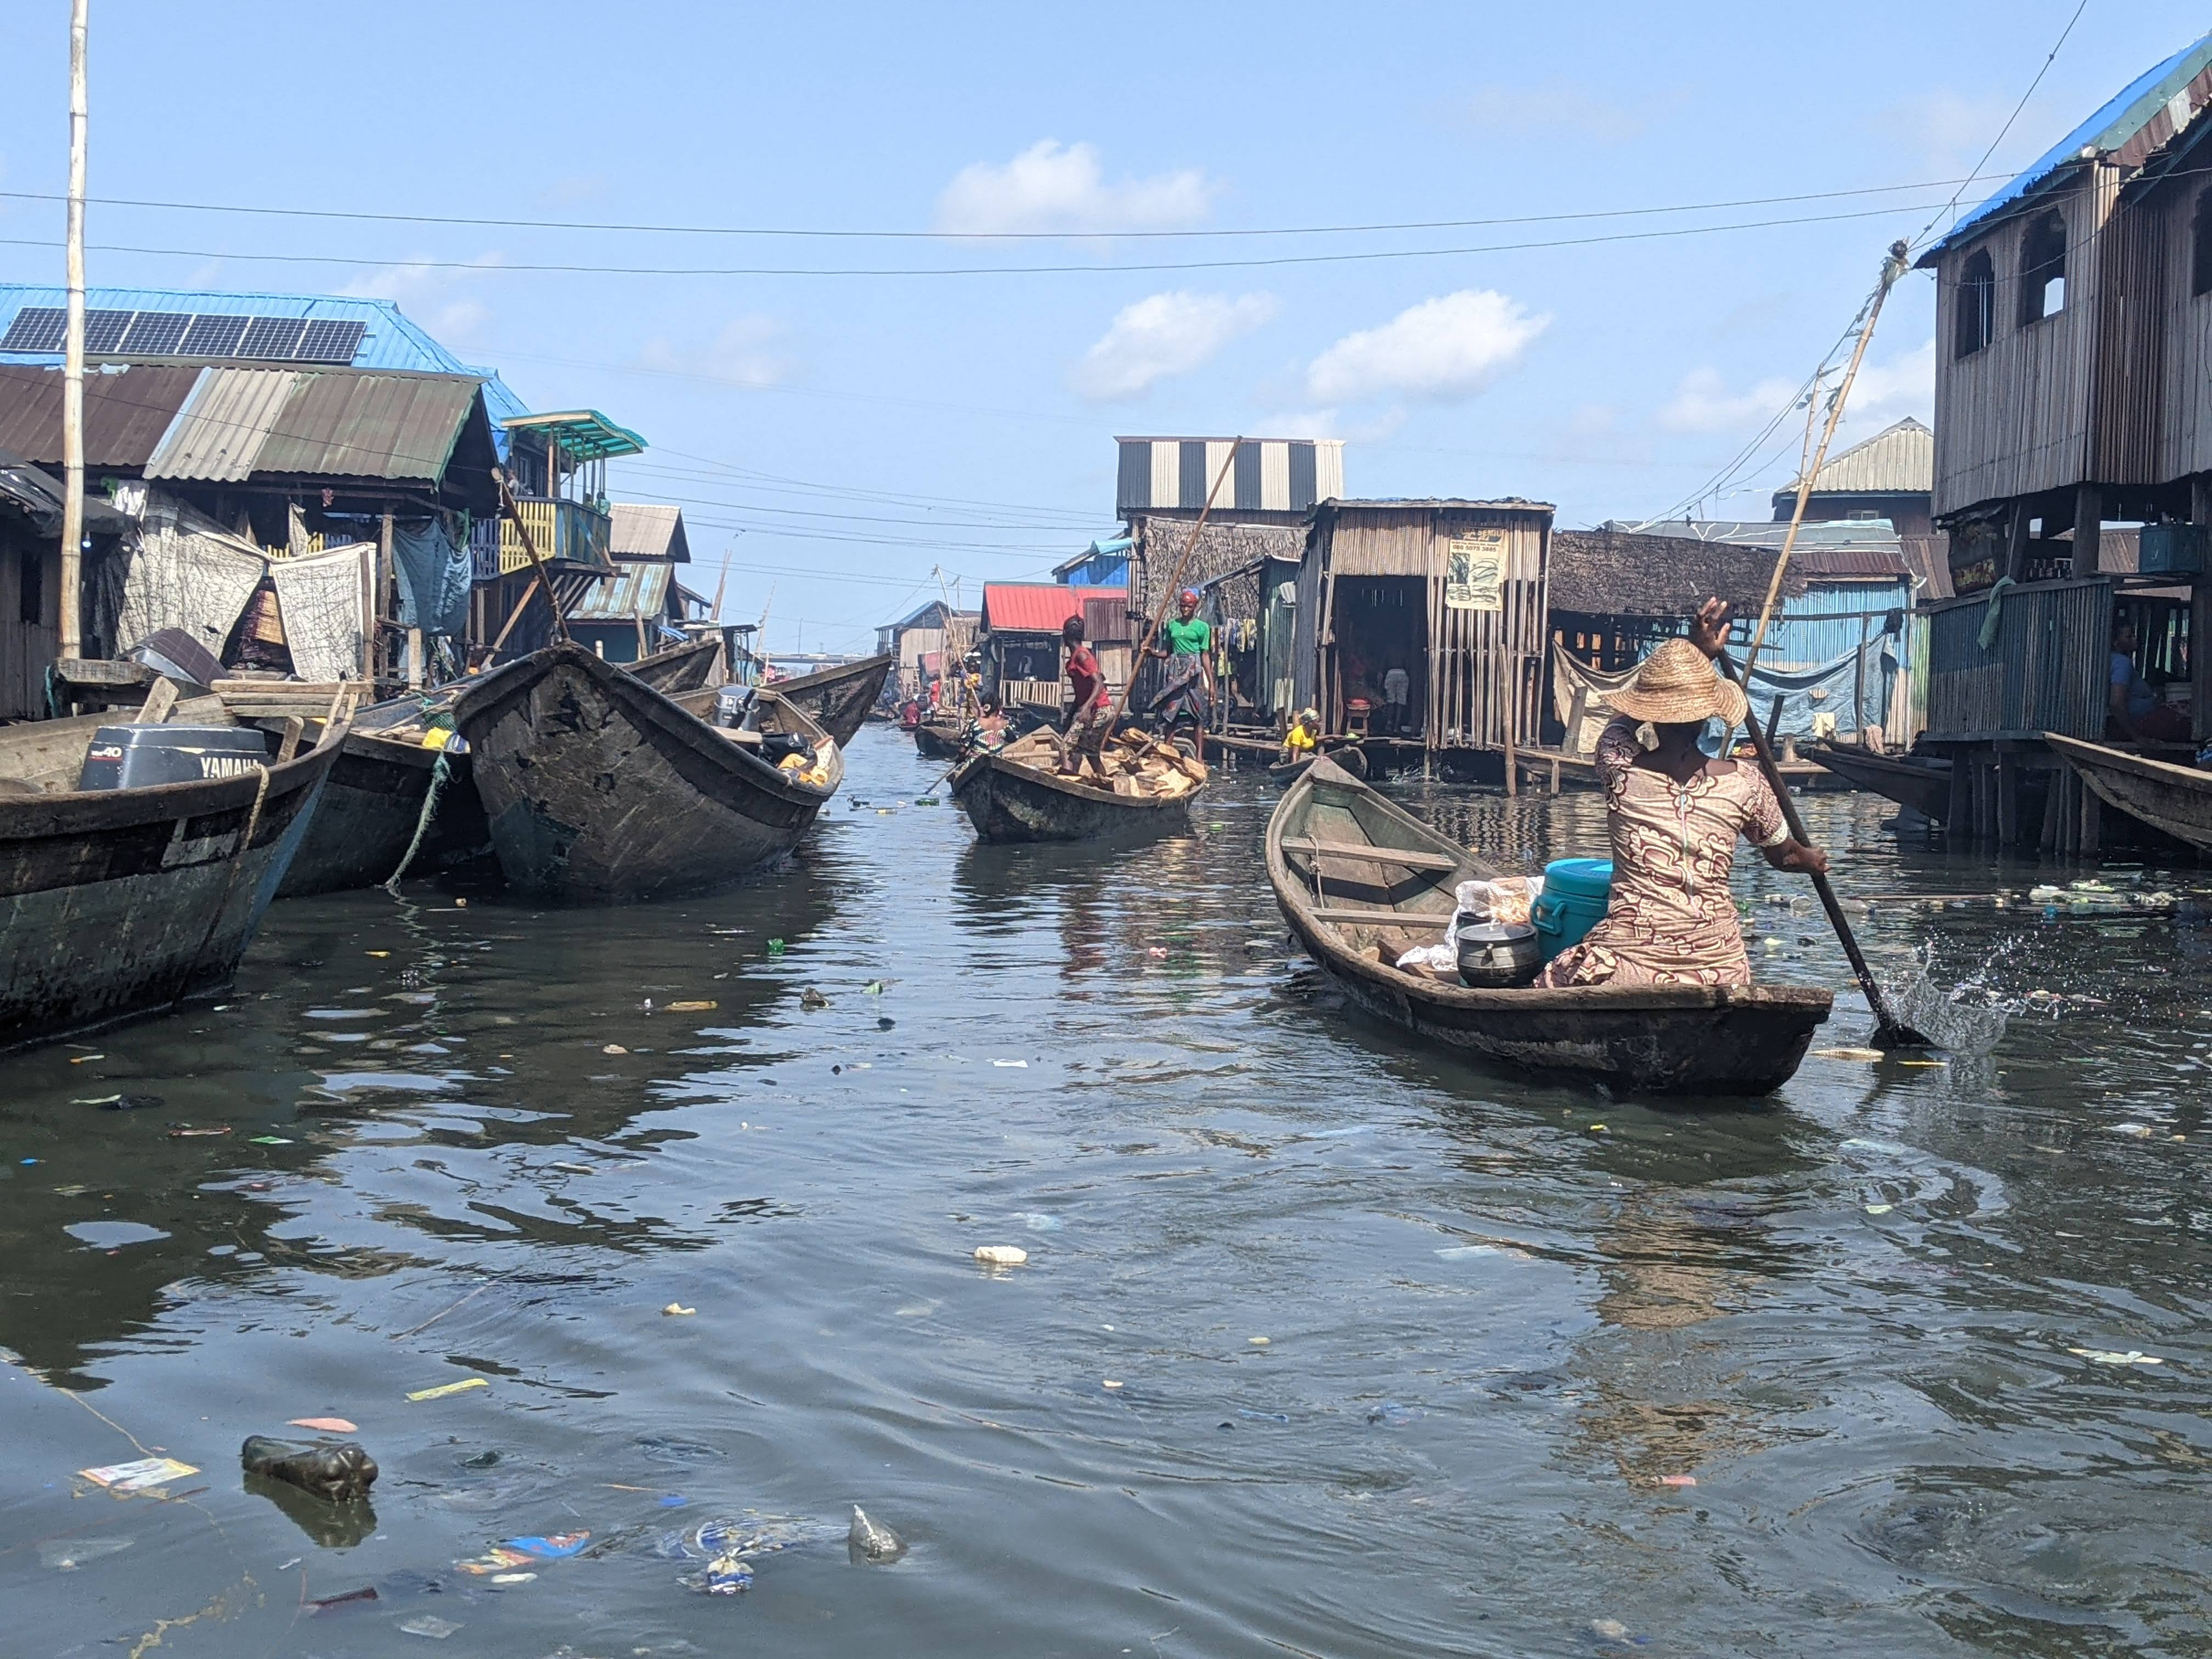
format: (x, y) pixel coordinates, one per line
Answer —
(1672, 921)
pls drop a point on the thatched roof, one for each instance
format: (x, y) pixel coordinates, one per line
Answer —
(1223, 546)
(1611, 573)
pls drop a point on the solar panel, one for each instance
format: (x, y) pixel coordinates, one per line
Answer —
(329, 341)
(272, 337)
(36, 328)
(156, 333)
(103, 329)
(213, 337)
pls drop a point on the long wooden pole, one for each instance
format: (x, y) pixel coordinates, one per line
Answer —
(1893, 266)
(552, 600)
(1175, 583)
(72, 627)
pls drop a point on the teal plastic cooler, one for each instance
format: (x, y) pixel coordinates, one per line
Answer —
(1576, 894)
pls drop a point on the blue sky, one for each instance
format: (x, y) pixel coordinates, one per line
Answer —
(836, 438)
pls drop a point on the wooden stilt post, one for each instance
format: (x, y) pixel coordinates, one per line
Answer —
(70, 598)
(2053, 796)
(2008, 788)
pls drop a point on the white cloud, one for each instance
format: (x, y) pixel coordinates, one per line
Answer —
(741, 351)
(1052, 186)
(1889, 392)
(1702, 403)
(1440, 350)
(435, 296)
(1556, 109)
(1166, 334)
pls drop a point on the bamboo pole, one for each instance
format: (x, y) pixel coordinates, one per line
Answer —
(1893, 266)
(1175, 585)
(71, 623)
(537, 563)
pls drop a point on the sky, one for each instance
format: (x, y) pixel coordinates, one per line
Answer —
(1639, 230)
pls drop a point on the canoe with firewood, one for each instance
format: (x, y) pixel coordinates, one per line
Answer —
(1360, 881)
(126, 897)
(838, 699)
(1019, 793)
(596, 788)
(2177, 799)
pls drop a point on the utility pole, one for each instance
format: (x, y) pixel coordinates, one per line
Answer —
(72, 636)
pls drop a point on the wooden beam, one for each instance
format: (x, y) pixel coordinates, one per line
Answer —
(159, 702)
(2088, 528)
(1384, 918)
(1362, 854)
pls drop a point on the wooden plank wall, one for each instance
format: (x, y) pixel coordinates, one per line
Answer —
(2046, 671)
(2127, 401)
(1483, 686)
(2014, 418)
(2184, 345)
(26, 649)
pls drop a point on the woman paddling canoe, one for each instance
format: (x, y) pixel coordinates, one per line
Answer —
(1673, 816)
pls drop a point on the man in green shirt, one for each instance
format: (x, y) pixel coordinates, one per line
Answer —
(1185, 643)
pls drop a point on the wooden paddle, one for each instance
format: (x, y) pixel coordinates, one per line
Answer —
(1889, 1032)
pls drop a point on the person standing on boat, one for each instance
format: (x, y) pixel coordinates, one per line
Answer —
(1673, 815)
(1186, 645)
(1084, 728)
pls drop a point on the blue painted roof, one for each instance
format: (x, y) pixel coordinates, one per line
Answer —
(388, 340)
(2137, 104)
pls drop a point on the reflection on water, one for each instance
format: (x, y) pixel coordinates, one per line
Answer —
(1506, 1324)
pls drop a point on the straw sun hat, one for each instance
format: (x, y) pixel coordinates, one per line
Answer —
(1677, 686)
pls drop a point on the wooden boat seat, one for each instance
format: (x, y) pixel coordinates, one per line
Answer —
(1363, 855)
(1381, 917)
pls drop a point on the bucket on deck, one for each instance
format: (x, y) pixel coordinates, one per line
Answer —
(1576, 894)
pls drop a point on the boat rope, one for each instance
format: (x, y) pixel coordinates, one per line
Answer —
(230, 880)
(439, 774)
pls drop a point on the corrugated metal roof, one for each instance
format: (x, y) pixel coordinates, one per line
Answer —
(1866, 560)
(1038, 607)
(2147, 113)
(1898, 460)
(389, 339)
(125, 412)
(1929, 558)
(349, 423)
(643, 532)
(634, 591)
(221, 429)
(584, 434)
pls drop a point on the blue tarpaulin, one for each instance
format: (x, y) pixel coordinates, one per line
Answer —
(433, 575)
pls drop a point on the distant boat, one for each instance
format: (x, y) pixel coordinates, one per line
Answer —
(1017, 794)
(939, 740)
(1920, 783)
(2177, 799)
(599, 788)
(838, 699)
(128, 901)
(1360, 880)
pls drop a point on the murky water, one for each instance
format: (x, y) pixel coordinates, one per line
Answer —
(1885, 1325)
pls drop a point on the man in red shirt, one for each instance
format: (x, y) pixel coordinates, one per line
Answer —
(1084, 728)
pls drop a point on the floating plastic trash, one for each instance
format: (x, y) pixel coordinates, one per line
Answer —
(677, 1311)
(431, 1626)
(1001, 1255)
(692, 1007)
(614, 1048)
(323, 1425)
(2113, 1357)
(872, 1542)
(444, 1389)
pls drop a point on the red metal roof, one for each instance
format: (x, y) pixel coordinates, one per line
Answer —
(1038, 607)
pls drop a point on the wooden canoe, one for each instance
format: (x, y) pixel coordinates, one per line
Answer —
(374, 800)
(939, 740)
(1008, 799)
(2177, 799)
(680, 668)
(1922, 783)
(122, 903)
(838, 699)
(1353, 873)
(599, 789)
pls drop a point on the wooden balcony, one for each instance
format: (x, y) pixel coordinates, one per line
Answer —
(565, 531)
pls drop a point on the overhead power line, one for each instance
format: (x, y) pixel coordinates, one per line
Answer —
(617, 227)
(1256, 262)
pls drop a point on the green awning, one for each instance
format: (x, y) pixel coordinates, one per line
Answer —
(585, 434)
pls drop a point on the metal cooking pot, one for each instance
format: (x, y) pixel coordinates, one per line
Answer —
(1495, 955)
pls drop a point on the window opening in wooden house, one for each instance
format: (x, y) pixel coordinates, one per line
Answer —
(1976, 324)
(2043, 269)
(2200, 244)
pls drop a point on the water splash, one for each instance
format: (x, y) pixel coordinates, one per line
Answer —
(1967, 1018)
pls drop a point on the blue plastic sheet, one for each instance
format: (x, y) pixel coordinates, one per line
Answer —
(433, 575)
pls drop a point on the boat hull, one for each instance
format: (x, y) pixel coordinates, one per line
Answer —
(597, 789)
(117, 904)
(680, 669)
(366, 819)
(1923, 785)
(838, 699)
(938, 740)
(1009, 802)
(2177, 799)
